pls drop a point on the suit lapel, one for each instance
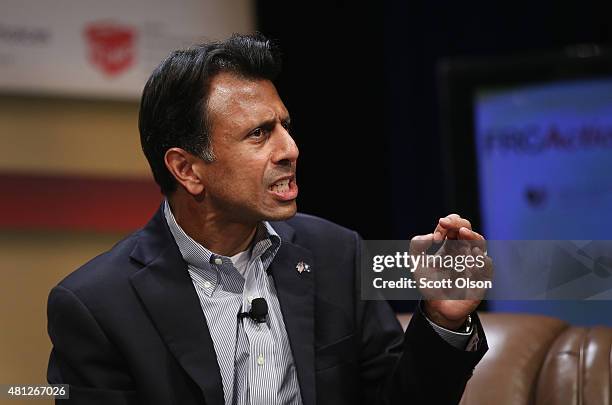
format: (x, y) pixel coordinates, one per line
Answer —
(166, 290)
(296, 297)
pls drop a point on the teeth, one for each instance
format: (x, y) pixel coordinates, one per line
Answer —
(281, 186)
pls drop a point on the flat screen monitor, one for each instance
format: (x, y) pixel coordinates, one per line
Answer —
(528, 146)
(544, 159)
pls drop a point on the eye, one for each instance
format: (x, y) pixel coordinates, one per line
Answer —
(257, 133)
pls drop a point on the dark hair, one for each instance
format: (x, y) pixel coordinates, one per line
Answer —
(173, 105)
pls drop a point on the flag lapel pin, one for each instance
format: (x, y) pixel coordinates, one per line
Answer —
(302, 267)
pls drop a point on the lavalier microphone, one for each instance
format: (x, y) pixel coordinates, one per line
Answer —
(258, 312)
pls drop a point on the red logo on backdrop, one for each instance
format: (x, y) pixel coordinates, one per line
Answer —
(111, 46)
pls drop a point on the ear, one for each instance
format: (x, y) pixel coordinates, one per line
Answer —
(186, 169)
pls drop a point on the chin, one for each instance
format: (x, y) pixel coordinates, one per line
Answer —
(282, 213)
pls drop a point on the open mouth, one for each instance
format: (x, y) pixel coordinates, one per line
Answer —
(284, 189)
(281, 186)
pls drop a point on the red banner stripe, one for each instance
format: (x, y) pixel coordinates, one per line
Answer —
(76, 203)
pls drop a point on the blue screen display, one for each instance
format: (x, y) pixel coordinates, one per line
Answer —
(545, 160)
(544, 157)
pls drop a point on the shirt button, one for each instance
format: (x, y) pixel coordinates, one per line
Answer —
(207, 284)
(261, 360)
(218, 261)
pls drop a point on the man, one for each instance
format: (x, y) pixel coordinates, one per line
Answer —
(166, 316)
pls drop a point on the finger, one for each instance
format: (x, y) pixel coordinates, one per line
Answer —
(468, 234)
(420, 243)
(448, 227)
(441, 230)
(485, 269)
(454, 221)
(476, 239)
(478, 252)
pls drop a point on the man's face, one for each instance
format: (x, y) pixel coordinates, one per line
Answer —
(253, 175)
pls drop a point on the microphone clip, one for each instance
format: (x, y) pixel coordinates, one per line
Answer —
(258, 312)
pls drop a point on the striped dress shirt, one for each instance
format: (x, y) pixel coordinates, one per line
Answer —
(255, 359)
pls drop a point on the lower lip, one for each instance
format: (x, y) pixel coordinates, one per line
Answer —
(290, 194)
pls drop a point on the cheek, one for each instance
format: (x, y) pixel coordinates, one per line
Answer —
(245, 180)
(239, 172)
(251, 171)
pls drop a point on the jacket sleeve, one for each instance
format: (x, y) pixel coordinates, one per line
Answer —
(415, 367)
(82, 355)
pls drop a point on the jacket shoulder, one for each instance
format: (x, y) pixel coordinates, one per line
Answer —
(104, 269)
(312, 231)
(305, 222)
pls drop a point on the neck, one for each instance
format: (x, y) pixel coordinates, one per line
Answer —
(210, 229)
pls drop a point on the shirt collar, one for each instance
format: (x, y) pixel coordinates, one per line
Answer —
(265, 243)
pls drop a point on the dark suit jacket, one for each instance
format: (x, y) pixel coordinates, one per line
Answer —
(127, 327)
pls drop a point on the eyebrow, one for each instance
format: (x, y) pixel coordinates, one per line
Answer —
(269, 124)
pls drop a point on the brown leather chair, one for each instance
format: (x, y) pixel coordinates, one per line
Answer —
(539, 360)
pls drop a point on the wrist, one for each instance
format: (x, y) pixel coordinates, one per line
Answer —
(462, 324)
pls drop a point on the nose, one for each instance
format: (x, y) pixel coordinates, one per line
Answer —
(286, 151)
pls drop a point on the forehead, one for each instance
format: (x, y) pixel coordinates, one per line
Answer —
(238, 103)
